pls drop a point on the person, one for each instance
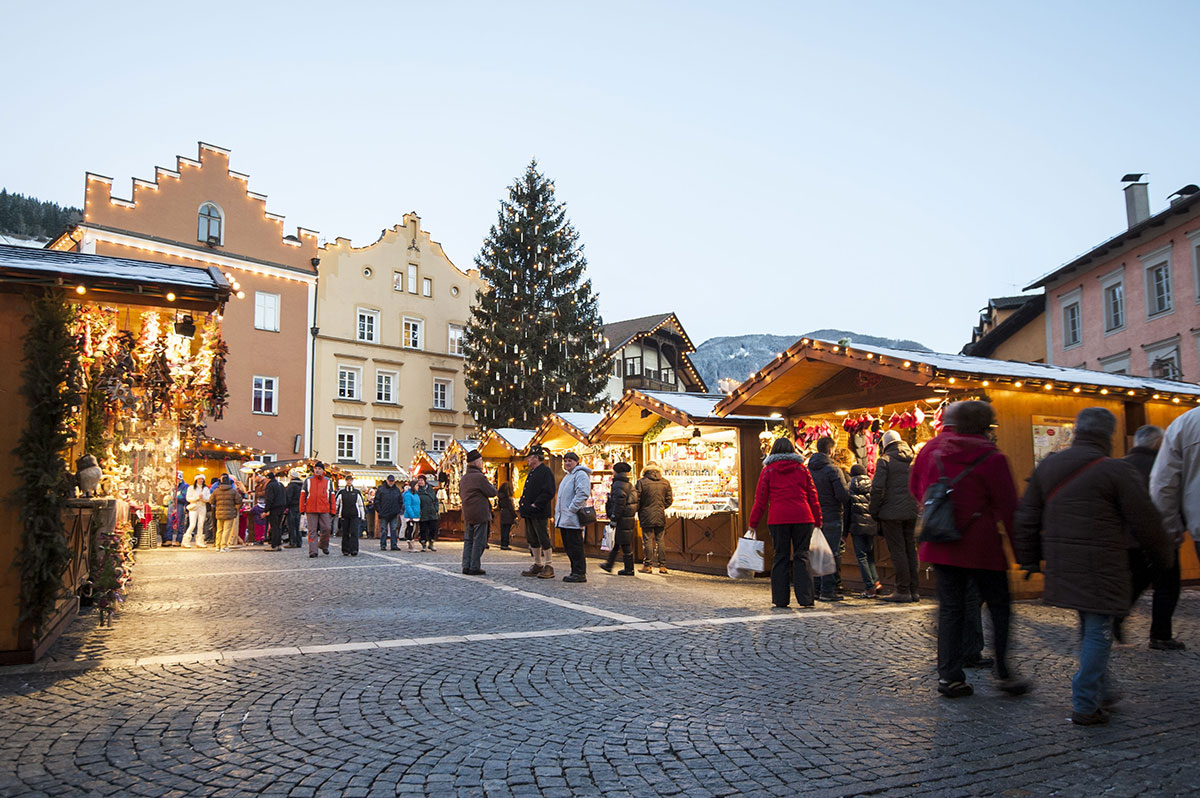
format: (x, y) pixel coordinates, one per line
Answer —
(621, 508)
(178, 516)
(226, 501)
(350, 511)
(1175, 480)
(317, 504)
(412, 514)
(292, 518)
(984, 496)
(274, 506)
(429, 512)
(534, 507)
(1076, 513)
(896, 509)
(508, 513)
(788, 494)
(573, 493)
(654, 496)
(389, 504)
(197, 507)
(210, 518)
(862, 529)
(831, 490)
(476, 490)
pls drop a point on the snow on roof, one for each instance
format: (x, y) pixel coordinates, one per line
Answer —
(695, 405)
(516, 438)
(965, 364)
(584, 422)
(469, 445)
(58, 263)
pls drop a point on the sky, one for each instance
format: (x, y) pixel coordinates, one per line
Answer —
(754, 167)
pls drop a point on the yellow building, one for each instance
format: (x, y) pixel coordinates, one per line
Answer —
(388, 361)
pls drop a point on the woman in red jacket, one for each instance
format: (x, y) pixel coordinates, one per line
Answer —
(787, 487)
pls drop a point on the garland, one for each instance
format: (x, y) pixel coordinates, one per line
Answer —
(656, 430)
(50, 353)
(112, 561)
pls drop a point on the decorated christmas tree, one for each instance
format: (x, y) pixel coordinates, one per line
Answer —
(534, 342)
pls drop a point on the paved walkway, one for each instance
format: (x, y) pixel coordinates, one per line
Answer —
(392, 673)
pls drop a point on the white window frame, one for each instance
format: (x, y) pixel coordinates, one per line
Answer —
(447, 397)
(439, 438)
(1113, 281)
(393, 378)
(1151, 263)
(370, 334)
(412, 279)
(204, 223)
(390, 437)
(427, 286)
(1194, 245)
(397, 280)
(1071, 299)
(352, 435)
(266, 311)
(273, 392)
(420, 328)
(454, 343)
(343, 385)
(1115, 364)
(1159, 350)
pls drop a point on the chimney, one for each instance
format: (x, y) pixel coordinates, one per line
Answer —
(1137, 199)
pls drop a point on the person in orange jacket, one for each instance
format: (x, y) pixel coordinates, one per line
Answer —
(317, 502)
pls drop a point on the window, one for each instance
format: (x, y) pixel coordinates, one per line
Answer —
(1114, 307)
(617, 366)
(397, 281)
(211, 228)
(413, 333)
(455, 347)
(633, 366)
(264, 395)
(412, 278)
(385, 447)
(1116, 364)
(443, 394)
(441, 442)
(347, 444)
(426, 286)
(368, 325)
(1158, 289)
(668, 375)
(1162, 359)
(385, 387)
(266, 311)
(1071, 325)
(267, 458)
(348, 380)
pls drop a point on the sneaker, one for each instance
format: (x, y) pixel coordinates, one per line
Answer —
(834, 597)
(978, 662)
(1014, 685)
(422, 545)
(345, 554)
(1097, 718)
(955, 689)
(867, 594)
(1168, 645)
(646, 569)
(606, 567)
(662, 569)
(533, 570)
(185, 545)
(883, 595)
(354, 554)
(574, 578)
(547, 572)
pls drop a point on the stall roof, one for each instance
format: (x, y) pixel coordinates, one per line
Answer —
(584, 422)
(840, 375)
(560, 431)
(504, 441)
(684, 409)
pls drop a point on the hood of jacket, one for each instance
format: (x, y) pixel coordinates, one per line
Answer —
(901, 451)
(815, 463)
(651, 474)
(954, 447)
(785, 463)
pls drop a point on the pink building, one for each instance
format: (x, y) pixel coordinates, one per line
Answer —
(1132, 304)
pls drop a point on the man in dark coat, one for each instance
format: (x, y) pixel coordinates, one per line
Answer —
(536, 498)
(475, 490)
(294, 486)
(389, 504)
(621, 509)
(896, 509)
(1076, 514)
(832, 493)
(654, 496)
(275, 505)
(429, 511)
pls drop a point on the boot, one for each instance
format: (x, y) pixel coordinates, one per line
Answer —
(534, 570)
(547, 572)
(647, 568)
(628, 566)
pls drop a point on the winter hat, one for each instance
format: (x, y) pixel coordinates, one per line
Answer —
(622, 468)
(890, 437)
(474, 455)
(318, 464)
(653, 464)
(293, 474)
(538, 452)
(857, 470)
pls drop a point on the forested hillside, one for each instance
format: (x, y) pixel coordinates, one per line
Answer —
(28, 217)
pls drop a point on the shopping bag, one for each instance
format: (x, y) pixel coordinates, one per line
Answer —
(610, 536)
(747, 558)
(303, 522)
(820, 556)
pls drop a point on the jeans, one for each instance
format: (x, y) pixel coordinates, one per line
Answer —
(791, 563)
(972, 624)
(505, 534)
(827, 585)
(573, 543)
(864, 551)
(350, 532)
(319, 527)
(474, 536)
(275, 527)
(902, 545)
(1166, 590)
(952, 587)
(293, 527)
(652, 546)
(429, 531)
(388, 530)
(1092, 684)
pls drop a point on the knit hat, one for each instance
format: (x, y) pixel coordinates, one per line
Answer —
(622, 468)
(474, 455)
(318, 464)
(889, 437)
(293, 474)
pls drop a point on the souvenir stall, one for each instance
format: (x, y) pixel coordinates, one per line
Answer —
(452, 465)
(860, 391)
(119, 361)
(710, 462)
(503, 461)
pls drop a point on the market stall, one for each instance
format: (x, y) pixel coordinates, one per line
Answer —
(503, 461)
(709, 461)
(861, 391)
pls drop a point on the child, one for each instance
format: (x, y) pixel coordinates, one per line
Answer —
(863, 529)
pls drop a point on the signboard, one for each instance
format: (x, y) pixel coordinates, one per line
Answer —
(1050, 434)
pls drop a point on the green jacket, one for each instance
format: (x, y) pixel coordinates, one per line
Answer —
(429, 502)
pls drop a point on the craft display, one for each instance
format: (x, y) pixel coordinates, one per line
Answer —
(703, 476)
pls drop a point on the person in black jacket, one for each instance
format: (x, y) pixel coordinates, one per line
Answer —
(276, 503)
(508, 514)
(389, 504)
(536, 498)
(832, 494)
(621, 509)
(294, 486)
(893, 504)
(862, 529)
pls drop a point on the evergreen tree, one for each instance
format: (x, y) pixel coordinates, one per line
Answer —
(534, 344)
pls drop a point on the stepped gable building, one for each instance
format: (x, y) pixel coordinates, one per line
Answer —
(203, 214)
(389, 357)
(1132, 304)
(1011, 328)
(651, 353)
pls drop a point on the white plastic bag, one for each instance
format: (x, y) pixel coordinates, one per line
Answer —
(747, 558)
(820, 556)
(610, 537)
(303, 522)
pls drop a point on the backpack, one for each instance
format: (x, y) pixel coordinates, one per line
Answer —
(937, 519)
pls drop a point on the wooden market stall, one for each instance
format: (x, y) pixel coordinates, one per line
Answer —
(711, 462)
(817, 383)
(503, 462)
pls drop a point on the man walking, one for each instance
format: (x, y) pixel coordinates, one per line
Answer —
(317, 503)
(350, 512)
(389, 504)
(535, 509)
(475, 489)
(573, 493)
(654, 496)
(833, 496)
(1175, 481)
(1076, 513)
(274, 505)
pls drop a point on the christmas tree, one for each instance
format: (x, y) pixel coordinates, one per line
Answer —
(534, 342)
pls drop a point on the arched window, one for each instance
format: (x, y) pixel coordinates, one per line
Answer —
(211, 224)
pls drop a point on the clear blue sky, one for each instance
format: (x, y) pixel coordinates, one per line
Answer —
(754, 167)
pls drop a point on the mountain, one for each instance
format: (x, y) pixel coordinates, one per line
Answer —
(24, 217)
(736, 357)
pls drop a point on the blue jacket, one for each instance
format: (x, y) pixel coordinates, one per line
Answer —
(412, 504)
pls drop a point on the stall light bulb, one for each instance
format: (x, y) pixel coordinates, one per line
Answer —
(170, 296)
(79, 289)
(1048, 386)
(1018, 384)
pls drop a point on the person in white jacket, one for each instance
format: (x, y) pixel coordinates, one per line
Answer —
(350, 512)
(1175, 478)
(197, 510)
(573, 493)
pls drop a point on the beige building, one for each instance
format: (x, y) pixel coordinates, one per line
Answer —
(388, 351)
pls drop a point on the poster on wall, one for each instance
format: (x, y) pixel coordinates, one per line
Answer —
(1050, 434)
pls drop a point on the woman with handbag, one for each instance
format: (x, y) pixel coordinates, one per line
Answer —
(787, 492)
(621, 509)
(569, 511)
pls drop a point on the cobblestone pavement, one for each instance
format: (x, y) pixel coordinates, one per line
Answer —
(252, 672)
